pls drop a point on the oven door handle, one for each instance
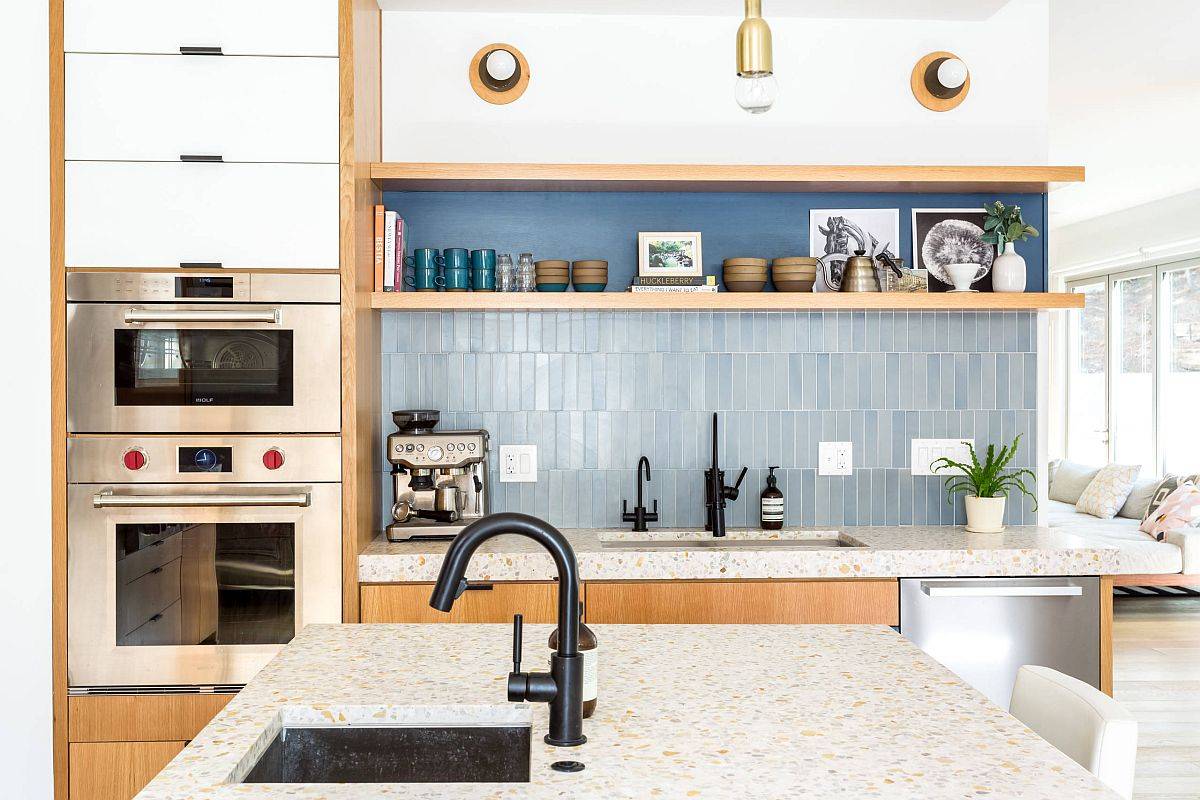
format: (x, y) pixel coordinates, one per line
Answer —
(110, 500)
(134, 316)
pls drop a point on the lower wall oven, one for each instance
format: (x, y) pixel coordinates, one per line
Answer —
(193, 559)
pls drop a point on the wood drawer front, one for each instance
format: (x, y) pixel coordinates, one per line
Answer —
(143, 717)
(744, 602)
(409, 602)
(238, 27)
(116, 770)
(122, 214)
(243, 109)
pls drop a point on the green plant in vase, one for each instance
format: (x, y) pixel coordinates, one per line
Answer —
(986, 484)
(1004, 227)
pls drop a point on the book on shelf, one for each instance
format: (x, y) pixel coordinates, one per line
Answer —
(379, 222)
(389, 251)
(636, 288)
(398, 267)
(671, 280)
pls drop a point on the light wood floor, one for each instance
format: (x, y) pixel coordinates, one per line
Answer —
(1156, 664)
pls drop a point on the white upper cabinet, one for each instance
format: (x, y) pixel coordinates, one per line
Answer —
(238, 27)
(154, 214)
(157, 108)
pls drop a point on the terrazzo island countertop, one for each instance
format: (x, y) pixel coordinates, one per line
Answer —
(891, 552)
(824, 711)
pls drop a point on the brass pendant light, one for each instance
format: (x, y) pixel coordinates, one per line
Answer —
(756, 88)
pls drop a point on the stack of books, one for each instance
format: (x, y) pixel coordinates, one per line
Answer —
(657, 283)
(389, 250)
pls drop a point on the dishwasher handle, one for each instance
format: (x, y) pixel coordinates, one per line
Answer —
(935, 589)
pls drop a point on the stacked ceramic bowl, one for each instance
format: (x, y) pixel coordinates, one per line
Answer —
(794, 274)
(744, 274)
(552, 275)
(589, 276)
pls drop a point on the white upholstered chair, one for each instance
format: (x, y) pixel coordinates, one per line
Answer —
(1081, 721)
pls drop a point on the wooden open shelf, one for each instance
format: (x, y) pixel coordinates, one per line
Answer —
(719, 301)
(429, 177)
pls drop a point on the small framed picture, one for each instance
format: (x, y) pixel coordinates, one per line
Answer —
(665, 254)
(944, 236)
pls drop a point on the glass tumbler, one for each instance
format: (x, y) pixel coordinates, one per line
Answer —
(506, 276)
(525, 273)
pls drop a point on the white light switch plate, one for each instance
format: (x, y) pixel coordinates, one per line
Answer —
(835, 458)
(518, 463)
(926, 451)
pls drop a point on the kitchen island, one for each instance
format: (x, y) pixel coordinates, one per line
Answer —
(826, 711)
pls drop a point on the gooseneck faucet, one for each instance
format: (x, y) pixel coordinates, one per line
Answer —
(562, 687)
(715, 490)
(640, 515)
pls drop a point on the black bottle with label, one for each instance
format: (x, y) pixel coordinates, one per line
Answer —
(771, 503)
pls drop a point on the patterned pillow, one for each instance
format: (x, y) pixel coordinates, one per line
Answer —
(1108, 491)
(1181, 509)
(1168, 484)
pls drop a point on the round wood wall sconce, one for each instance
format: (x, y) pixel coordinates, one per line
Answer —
(940, 81)
(499, 73)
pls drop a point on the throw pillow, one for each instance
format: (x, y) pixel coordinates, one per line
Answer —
(1167, 485)
(1052, 470)
(1181, 509)
(1070, 479)
(1139, 499)
(1108, 491)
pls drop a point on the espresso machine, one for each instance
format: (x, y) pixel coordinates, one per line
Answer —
(439, 478)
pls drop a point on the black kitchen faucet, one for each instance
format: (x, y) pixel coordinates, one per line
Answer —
(715, 490)
(640, 516)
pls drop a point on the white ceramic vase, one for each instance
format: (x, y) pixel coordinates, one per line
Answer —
(985, 514)
(1008, 270)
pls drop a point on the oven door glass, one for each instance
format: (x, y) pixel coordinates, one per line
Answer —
(205, 583)
(173, 367)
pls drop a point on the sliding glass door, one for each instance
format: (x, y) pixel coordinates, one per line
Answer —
(1087, 391)
(1131, 397)
(1179, 418)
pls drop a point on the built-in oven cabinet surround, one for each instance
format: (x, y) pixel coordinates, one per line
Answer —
(195, 562)
(238, 27)
(173, 214)
(184, 353)
(242, 109)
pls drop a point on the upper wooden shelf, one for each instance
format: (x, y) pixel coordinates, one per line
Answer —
(434, 177)
(720, 301)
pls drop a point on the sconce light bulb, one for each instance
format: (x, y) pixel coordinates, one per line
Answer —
(756, 92)
(501, 65)
(952, 73)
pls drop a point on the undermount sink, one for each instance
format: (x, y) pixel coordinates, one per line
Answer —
(667, 541)
(361, 754)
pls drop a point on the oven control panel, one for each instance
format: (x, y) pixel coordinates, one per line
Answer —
(204, 459)
(150, 287)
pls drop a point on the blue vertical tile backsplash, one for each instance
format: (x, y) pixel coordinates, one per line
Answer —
(597, 390)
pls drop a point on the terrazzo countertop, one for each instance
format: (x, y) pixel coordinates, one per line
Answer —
(909, 552)
(822, 711)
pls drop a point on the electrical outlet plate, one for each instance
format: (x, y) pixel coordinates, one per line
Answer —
(926, 451)
(835, 458)
(518, 463)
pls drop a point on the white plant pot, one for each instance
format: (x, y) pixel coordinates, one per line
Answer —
(1008, 270)
(985, 514)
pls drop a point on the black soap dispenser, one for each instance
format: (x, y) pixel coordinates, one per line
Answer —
(771, 503)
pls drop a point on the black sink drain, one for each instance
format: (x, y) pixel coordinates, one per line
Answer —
(567, 766)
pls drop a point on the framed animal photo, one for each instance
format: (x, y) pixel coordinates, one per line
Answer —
(945, 236)
(670, 254)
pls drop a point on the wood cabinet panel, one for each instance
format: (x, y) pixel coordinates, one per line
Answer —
(409, 602)
(116, 770)
(744, 602)
(143, 718)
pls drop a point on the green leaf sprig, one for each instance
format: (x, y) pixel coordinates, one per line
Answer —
(991, 478)
(1004, 224)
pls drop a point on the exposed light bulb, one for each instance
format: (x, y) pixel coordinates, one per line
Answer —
(756, 93)
(501, 65)
(952, 73)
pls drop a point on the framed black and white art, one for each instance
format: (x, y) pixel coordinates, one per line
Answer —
(944, 236)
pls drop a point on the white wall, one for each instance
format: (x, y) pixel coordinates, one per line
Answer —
(25, 734)
(612, 88)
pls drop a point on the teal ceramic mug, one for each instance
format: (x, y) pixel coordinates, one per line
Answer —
(483, 280)
(424, 280)
(424, 258)
(483, 259)
(455, 258)
(456, 279)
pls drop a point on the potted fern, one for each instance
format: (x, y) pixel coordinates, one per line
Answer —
(986, 485)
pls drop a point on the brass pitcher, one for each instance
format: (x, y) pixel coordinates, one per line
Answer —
(859, 273)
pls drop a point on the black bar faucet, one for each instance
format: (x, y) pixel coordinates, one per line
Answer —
(640, 515)
(562, 687)
(715, 490)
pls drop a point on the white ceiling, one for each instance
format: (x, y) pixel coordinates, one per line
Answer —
(1124, 102)
(824, 9)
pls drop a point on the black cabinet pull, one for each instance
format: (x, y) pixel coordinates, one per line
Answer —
(479, 587)
(199, 264)
(199, 51)
(201, 159)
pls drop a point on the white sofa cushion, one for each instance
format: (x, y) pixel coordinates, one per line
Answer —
(1070, 479)
(1108, 491)
(1139, 498)
(1179, 550)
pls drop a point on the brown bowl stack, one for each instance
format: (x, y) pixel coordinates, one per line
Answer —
(744, 274)
(794, 274)
(590, 273)
(552, 271)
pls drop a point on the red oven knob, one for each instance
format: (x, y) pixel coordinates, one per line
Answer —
(273, 458)
(134, 458)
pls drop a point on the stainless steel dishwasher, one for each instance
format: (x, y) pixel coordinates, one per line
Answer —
(983, 629)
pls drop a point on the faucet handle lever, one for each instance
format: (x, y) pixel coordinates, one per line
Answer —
(518, 626)
(732, 492)
(653, 515)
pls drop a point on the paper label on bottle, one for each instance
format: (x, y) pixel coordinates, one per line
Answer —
(591, 663)
(772, 509)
